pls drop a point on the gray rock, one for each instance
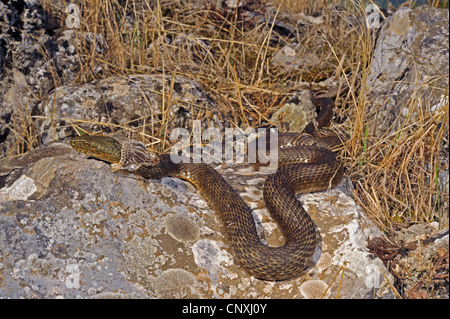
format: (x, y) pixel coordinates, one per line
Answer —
(135, 101)
(32, 63)
(71, 228)
(296, 114)
(408, 79)
(410, 61)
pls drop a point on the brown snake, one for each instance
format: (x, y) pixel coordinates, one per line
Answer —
(319, 170)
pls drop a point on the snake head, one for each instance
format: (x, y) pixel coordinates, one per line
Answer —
(121, 152)
(134, 155)
(101, 147)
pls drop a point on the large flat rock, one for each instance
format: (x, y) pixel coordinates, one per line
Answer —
(71, 228)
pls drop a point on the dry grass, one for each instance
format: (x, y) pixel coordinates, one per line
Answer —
(395, 176)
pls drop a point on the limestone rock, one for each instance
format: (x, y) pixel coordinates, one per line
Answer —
(71, 228)
(410, 61)
(408, 79)
(33, 60)
(156, 101)
(296, 114)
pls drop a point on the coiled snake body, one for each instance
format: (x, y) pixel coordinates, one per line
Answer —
(318, 171)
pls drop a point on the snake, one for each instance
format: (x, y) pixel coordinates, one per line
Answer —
(307, 165)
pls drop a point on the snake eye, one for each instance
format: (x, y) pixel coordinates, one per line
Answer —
(87, 144)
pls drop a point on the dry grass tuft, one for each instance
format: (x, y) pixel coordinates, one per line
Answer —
(399, 177)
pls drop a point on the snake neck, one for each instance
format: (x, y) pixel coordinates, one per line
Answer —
(166, 167)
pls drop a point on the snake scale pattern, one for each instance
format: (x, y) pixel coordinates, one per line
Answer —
(318, 169)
